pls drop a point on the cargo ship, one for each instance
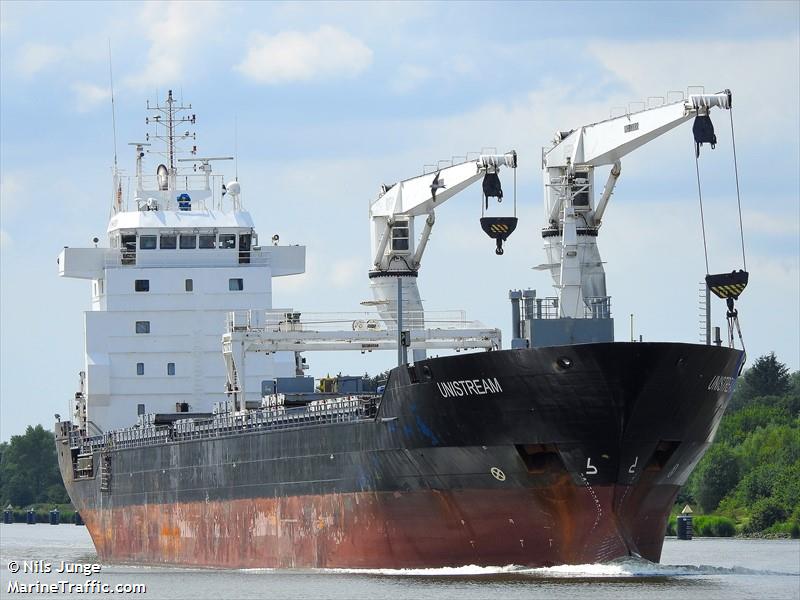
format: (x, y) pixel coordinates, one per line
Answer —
(567, 448)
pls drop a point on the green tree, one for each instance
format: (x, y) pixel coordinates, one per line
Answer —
(29, 469)
(767, 377)
(717, 475)
(372, 383)
(766, 512)
(759, 483)
(786, 488)
(775, 444)
(736, 426)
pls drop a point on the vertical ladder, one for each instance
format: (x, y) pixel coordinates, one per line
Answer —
(105, 472)
(704, 307)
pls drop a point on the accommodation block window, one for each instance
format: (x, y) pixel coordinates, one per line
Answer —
(188, 285)
(141, 285)
(170, 368)
(140, 368)
(142, 326)
(227, 241)
(236, 284)
(169, 241)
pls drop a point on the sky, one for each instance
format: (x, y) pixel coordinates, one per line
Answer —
(324, 102)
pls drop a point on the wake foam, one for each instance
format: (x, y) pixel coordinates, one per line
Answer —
(620, 568)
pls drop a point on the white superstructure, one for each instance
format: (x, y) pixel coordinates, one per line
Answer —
(182, 253)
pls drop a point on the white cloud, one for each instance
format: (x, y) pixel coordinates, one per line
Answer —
(409, 78)
(89, 95)
(34, 57)
(294, 56)
(770, 224)
(177, 31)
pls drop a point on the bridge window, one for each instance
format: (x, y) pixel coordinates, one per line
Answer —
(400, 236)
(141, 285)
(147, 242)
(129, 243)
(227, 241)
(140, 368)
(188, 242)
(208, 241)
(168, 241)
(142, 326)
(236, 284)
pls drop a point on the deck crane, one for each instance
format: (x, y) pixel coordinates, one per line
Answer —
(573, 216)
(394, 250)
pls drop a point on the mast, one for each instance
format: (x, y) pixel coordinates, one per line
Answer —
(169, 116)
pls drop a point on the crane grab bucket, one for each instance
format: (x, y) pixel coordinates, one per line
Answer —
(499, 228)
(728, 285)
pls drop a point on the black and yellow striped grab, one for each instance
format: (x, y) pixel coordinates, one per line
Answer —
(728, 285)
(499, 228)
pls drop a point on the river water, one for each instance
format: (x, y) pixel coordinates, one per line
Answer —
(706, 568)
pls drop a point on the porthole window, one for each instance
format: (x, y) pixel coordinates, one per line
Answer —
(188, 242)
(142, 326)
(236, 284)
(564, 362)
(141, 285)
(147, 242)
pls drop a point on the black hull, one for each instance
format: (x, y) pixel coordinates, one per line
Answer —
(535, 457)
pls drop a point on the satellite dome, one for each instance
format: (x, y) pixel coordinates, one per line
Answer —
(234, 188)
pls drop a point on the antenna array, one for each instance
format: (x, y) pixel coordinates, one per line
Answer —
(168, 118)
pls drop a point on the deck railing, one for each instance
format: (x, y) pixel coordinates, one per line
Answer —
(276, 418)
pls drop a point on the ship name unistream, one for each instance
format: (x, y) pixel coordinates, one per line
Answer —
(469, 387)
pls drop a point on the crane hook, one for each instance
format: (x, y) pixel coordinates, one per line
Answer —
(499, 228)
